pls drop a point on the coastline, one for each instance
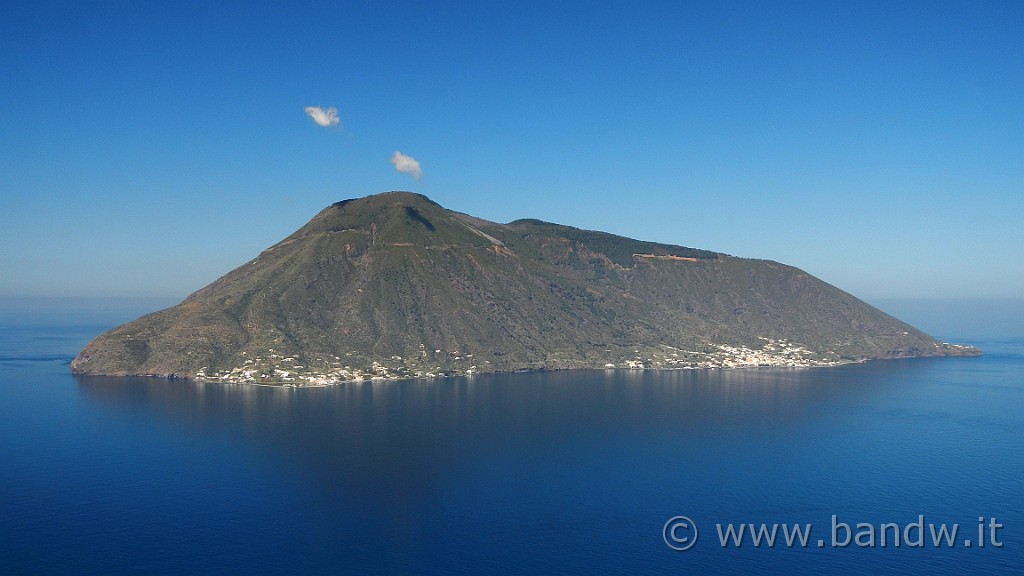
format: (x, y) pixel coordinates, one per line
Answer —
(324, 380)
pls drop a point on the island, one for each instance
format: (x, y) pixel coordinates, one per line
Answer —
(394, 285)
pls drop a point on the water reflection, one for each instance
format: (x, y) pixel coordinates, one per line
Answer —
(392, 444)
(584, 467)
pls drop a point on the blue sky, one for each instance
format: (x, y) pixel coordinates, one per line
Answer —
(150, 147)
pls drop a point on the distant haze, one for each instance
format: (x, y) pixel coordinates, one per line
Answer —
(955, 320)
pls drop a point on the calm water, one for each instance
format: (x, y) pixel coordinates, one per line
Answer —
(557, 473)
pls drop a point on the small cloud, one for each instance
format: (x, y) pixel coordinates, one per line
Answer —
(407, 165)
(325, 117)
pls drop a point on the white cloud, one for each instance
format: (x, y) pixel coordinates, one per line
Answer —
(407, 165)
(325, 117)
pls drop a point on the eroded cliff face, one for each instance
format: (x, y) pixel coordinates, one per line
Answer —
(394, 285)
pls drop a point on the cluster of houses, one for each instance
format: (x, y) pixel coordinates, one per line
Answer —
(773, 353)
(279, 370)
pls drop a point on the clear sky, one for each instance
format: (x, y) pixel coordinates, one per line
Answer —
(149, 147)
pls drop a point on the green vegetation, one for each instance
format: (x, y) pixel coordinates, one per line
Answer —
(616, 248)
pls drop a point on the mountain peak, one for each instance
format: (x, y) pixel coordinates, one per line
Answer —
(396, 218)
(392, 197)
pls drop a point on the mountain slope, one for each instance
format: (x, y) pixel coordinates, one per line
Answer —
(395, 285)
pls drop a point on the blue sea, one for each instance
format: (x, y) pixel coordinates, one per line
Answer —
(538, 473)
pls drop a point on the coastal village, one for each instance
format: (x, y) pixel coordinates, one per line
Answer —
(277, 369)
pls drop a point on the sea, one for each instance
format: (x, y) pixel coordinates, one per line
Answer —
(886, 467)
